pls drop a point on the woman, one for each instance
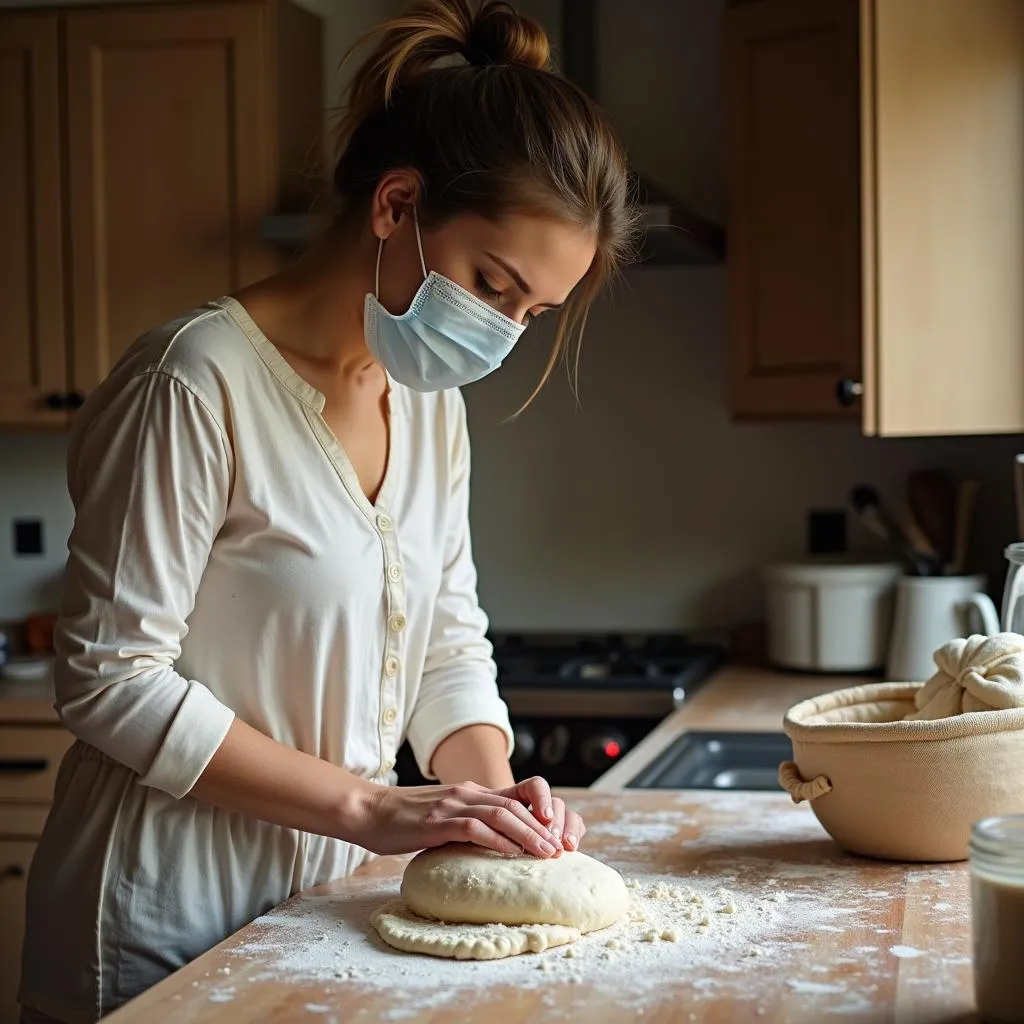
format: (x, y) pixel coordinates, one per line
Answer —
(270, 582)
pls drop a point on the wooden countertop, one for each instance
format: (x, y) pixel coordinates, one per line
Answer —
(815, 934)
(738, 698)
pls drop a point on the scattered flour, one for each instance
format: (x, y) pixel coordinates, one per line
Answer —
(905, 952)
(814, 988)
(719, 931)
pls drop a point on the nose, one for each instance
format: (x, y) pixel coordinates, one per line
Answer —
(521, 315)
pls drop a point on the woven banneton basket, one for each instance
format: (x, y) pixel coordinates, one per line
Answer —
(896, 790)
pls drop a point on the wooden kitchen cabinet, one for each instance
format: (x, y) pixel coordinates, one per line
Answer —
(145, 145)
(15, 857)
(30, 755)
(32, 326)
(876, 179)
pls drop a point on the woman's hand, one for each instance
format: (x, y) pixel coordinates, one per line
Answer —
(408, 818)
(565, 825)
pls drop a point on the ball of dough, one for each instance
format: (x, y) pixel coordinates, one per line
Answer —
(464, 883)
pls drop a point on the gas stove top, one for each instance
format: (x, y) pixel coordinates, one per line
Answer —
(578, 703)
(602, 662)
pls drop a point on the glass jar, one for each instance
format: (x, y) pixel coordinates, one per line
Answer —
(997, 898)
(1013, 589)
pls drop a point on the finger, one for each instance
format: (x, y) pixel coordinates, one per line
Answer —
(507, 823)
(557, 826)
(494, 798)
(473, 830)
(536, 794)
(574, 830)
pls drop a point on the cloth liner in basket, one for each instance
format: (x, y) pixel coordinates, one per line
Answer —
(897, 789)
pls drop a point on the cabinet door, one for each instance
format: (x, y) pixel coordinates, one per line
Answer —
(33, 360)
(944, 171)
(794, 220)
(168, 167)
(15, 857)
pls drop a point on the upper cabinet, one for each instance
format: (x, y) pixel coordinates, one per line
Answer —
(876, 161)
(32, 323)
(143, 149)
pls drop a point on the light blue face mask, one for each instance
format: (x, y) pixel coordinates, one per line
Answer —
(447, 337)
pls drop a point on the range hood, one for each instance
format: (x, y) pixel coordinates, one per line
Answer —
(673, 234)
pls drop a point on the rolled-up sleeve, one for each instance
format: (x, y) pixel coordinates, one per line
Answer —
(459, 686)
(150, 480)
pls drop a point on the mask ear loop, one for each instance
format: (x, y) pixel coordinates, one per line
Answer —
(380, 252)
(419, 243)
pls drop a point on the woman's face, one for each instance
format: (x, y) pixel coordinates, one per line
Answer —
(523, 265)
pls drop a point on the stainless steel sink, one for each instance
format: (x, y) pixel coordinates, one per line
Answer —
(718, 760)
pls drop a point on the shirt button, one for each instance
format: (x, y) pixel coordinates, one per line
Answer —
(397, 623)
(389, 765)
(390, 716)
(394, 572)
(391, 666)
(384, 523)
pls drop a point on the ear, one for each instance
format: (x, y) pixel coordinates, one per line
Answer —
(396, 194)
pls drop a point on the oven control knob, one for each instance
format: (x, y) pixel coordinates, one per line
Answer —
(525, 744)
(555, 745)
(602, 749)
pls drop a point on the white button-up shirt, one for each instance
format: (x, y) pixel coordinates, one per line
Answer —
(225, 561)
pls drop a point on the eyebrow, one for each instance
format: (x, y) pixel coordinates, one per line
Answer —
(519, 280)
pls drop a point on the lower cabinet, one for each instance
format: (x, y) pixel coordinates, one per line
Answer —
(30, 754)
(15, 857)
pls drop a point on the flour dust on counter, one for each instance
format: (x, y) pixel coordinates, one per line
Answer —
(719, 907)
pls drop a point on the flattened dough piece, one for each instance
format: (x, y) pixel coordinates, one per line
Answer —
(464, 883)
(400, 928)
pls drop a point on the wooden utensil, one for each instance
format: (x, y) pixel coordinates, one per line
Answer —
(966, 499)
(866, 504)
(913, 532)
(873, 514)
(931, 496)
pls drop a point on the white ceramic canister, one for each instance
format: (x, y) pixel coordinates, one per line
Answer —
(830, 616)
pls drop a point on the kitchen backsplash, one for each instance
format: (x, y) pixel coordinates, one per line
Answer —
(645, 508)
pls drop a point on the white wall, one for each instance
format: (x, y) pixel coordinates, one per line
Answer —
(647, 508)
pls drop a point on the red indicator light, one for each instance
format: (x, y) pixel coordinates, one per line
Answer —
(612, 749)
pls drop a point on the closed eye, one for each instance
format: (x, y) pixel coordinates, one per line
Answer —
(486, 289)
(493, 295)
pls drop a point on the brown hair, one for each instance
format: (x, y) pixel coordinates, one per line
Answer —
(502, 131)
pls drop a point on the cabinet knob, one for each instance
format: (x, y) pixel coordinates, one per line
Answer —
(75, 400)
(526, 744)
(848, 391)
(11, 871)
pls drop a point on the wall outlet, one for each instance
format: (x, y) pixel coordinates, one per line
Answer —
(826, 531)
(28, 536)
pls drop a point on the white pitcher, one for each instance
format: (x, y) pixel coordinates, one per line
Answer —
(931, 611)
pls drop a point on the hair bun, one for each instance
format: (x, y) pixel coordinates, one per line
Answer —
(499, 35)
